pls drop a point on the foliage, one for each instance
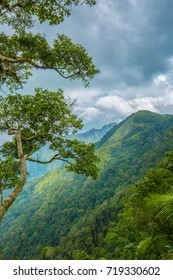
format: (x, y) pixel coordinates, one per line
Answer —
(10, 179)
(49, 253)
(145, 226)
(102, 219)
(161, 206)
(21, 14)
(46, 116)
(22, 51)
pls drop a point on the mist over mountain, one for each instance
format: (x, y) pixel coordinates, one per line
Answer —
(66, 216)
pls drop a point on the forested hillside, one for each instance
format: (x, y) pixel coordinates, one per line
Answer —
(67, 216)
(36, 170)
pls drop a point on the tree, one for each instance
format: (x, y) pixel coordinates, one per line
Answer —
(46, 117)
(23, 51)
(34, 121)
(20, 13)
(144, 228)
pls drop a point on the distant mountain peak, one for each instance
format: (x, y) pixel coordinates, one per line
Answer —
(94, 134)
(133, 123)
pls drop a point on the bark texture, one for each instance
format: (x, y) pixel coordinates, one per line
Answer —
(4, 206)
(8, 201)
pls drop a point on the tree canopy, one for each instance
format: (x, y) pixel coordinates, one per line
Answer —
(45, 117)
(34, 121)
(22, 51)
(20, 14)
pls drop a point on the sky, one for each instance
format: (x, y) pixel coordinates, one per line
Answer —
(131, 42)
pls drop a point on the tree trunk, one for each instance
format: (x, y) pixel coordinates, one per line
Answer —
(14, 194)
(8, 201)
(22, 159)
(1, 198)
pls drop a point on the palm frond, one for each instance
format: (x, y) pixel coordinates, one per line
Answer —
(160, 205)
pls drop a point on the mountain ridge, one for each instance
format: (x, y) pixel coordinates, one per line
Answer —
(60, 200)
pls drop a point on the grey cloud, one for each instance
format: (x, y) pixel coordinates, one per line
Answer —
(138, 39)
(131, 42)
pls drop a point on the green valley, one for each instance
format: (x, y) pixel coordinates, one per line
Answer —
(63, 215)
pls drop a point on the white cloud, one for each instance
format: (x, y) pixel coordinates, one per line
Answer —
(89, 114)
(114, 102)
(145, 103)
(161, 80)
(128, 106)
(168, 100)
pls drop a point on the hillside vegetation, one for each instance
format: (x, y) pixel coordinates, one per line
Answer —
(37, 170)
(67, 216)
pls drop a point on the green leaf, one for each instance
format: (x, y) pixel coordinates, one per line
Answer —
(161, 206)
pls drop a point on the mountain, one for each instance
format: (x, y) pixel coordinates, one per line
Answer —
(37, 170)
(94, 135)
(61, 215)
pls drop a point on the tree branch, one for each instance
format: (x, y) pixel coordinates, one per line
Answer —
(11, 72)
(35, 65)
(10, 8)
(55, 157)
(12, 131)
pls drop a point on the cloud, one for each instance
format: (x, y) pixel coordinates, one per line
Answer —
(137, 38)
(128, 106)
(113, 102)
(145, 103)
(131, 42)
(168, 101)
(89, 114)
(161, 81)
(83, 96)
